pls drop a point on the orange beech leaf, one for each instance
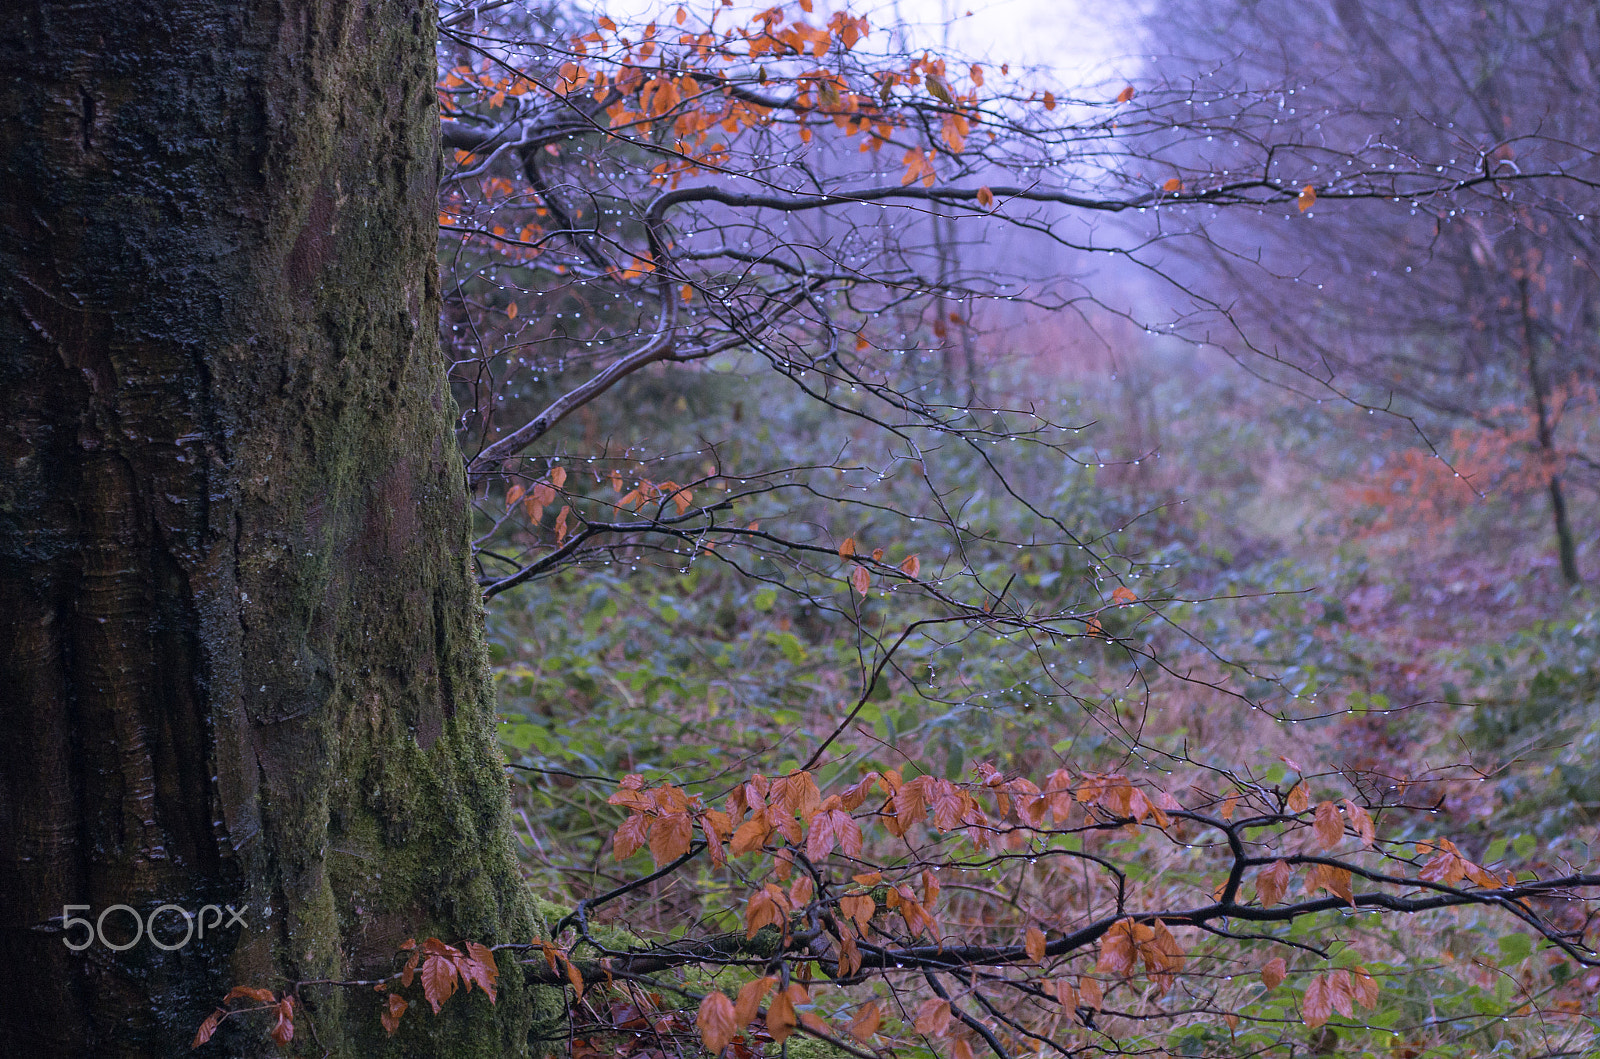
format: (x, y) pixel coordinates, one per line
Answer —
(208, 1027)
(748, 1006)
(1339, 992)
(1363, 987)
(1307, 198)
(800, 893)
(1272, 882)
(574, 977)
(715, 1021)
(410, 969)
(985, 197)
(1172, 184)
(485, 972)
(392, 1010)
(1361, 820)
(1066, 995)
(1049, 101)
(283, 1029)
(1123, 594)
(438, 980)
(961, 1049)
(1299, 799)
(670, 836)
(781, 1020)
(1334, 880)
(1034, 943)
(849, 954)
(848, 548)
(933, 1017)
(561, 523)
(859, 907)
(630, 837)
(752, 834)
(911, 566)
(867, 1019)
(1274, 972)
(264, 996)
(861, 580)
(1090, 992)
(1125, 95)
(877, 555)
(1317, 1004)
(1118, 947)
(515, 493)
(558, 476)
(1328, 826)
(1230, 804)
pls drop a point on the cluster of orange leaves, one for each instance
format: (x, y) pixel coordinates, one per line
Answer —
(1417, 487)
(440, 968)
(861, 577)
(281, 1009)
(611, 66)
(794, 809)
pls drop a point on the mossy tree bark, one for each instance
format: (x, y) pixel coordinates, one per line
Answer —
(241, 658)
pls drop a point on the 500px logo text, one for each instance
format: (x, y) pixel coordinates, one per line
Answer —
(194, 925)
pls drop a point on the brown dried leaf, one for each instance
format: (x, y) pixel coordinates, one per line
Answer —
(860, 580)
(780, 1018)
(1334, 880)
(1034, 943)
(1361, 820)
(859, 908)
(1363, 987)
(748, 1006)
(481, 968)
(208, 1027)
(670, 836)
(848, 548)
(1274, 972)
(933, 1017)
(392, 1010)
(1272, 882)
(438, 980)
(1327, 825)
(283, 1029)
(715, 1021)
(1317, 1004)
(866, 1021)
(1299, 798)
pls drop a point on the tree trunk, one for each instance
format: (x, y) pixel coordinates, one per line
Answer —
(240, 646)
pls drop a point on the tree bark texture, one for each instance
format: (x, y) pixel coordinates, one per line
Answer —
(241, 658)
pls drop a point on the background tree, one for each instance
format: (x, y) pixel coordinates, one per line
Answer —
(1476, 313)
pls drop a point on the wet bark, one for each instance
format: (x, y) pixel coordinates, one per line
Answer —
(241, 658)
